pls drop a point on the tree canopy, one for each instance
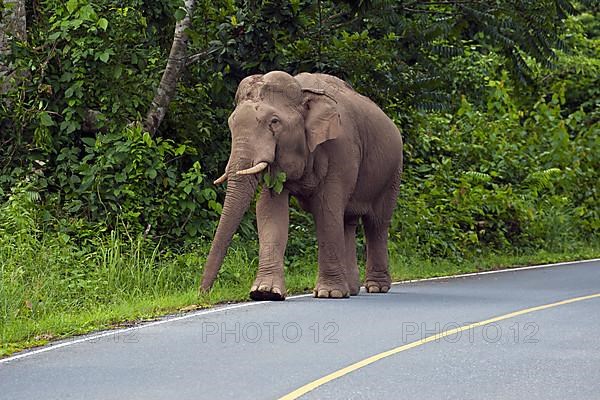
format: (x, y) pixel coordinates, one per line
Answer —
(74, 131)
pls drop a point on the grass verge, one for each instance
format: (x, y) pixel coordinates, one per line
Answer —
(52, 290)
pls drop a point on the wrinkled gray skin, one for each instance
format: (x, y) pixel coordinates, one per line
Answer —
(342, 157)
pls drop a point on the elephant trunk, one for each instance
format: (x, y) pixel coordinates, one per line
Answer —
(240, 191)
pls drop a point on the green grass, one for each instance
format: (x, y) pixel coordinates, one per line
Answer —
(52, 288)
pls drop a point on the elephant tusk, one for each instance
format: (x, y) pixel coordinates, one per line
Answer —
(221, 179)
(254, 170)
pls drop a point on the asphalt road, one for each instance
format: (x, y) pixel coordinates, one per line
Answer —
(268, 350)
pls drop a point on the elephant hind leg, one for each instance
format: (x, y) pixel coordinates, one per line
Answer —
(351, 266)
(378, 278)
(377, 224)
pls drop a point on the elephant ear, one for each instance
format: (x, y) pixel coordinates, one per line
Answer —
(322, 121)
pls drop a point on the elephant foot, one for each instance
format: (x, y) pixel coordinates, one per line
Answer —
(378, 284)
(331, 291)
(267, 289)
(354, 289)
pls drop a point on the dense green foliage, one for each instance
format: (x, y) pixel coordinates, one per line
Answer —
(498, 103)
(69, 131)
(501, 178)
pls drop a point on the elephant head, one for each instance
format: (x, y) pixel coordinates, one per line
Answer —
(276, 124)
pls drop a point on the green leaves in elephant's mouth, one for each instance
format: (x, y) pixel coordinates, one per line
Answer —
(276, 182)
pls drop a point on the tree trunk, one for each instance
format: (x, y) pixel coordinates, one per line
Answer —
(177, 61)
(13, 26)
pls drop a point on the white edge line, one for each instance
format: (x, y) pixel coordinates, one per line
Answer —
(497, 271)
(88, 338)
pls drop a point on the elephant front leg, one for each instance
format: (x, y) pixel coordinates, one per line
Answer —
(332, 282)
(272, 216)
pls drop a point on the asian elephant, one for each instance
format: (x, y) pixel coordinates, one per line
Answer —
(342, 159)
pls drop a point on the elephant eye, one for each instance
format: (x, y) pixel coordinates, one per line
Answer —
(274, 125)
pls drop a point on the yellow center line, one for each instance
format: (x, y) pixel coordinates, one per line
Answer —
(367, 361)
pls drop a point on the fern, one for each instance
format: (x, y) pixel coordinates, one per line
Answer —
(540, 180)
(446, 51)
(17, 214)
(477, 177)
